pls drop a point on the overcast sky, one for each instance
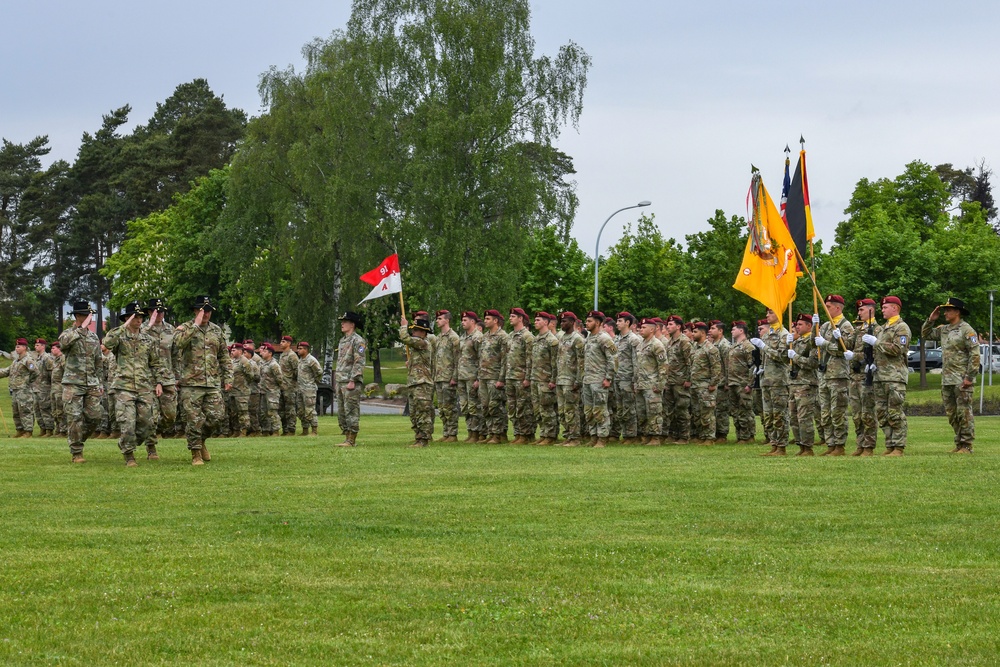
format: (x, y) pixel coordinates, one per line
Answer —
(682, 97)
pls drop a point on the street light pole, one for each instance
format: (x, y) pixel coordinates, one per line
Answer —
(597, 246)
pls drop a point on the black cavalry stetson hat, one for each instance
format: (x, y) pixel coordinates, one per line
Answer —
(952, 302)
(203, 303)
(351, 316)
(156, 304)
(133, 308)
(81, 308)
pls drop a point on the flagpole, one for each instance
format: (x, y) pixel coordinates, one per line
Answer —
(819, 295)
(402, 306)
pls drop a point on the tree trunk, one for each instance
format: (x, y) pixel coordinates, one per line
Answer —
(923, 366)
(376, 366)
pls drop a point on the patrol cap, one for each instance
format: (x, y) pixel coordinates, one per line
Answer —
(267, 346)
(834, 298)
(22, 341)
(595, 315)
(40, 340)
(958, 304)
(569, 315)
(892, 299)
(492, 312)
(698, 325)
(471, 314)
(303, 343)
(351, 316)
(82, 308)
(865, 302)
(804, 317)
(203, 302)
(519, 312)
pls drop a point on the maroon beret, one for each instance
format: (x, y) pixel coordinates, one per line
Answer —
(762, 322)
(519, 312)
(625, 315)
(698, 325)
(804, 317)
(596, 314)
(648, 320)
(442, 312)
(739, 323)
(569, 315)
(41, 340)
(303, 343)
(892, 299)
(267, 346)
(248, 347)
(865, 302)
(22, 341)
(248, 341)
(835, 298)
(545, 316)
(288, 338)
(676, 319)
(420, 313)
(471, 314)
(492, 312)
(55, 343)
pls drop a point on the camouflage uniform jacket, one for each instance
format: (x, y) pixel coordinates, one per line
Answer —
(270, 377)
(447, 349)
(650, 364)
(82, 351)
(163, 339)
(203, 355)
(350, 359)
(109, 369)
(959, 350)
(706, 365)
(775, 354)
(723, 347)
(257, 363)
(58, 366)
(569, 364)
(22, 372)
(599, 353)
(468, 358)
(832, 354)
(310, 373)
(806, 361)
(419, 367)
(245, 374)
(740, 364)
(492, 349)
(626, 345)
(544, 359)
(860, 329)
(138, 364)
(678, 359)
(43, 379)
(289, 363)
(890, 351)
(517, 360)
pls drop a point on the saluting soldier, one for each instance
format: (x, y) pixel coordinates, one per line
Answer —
(81, 383)
(58, 366)
(468, 373)
(740, 382)
(419, 377)
(723, 405)
(41, 388)
(544, 369)
(960, 364)
(569, 379)
(650, 374)
(774, 383)
(447, 352)
(165, 406)
(22, 373)
(349, 378)
(625, 413)
(138, 381)
(309, 374)
(835, 342)
(517, 377)
(803, 378)
(288, 360)
(677, 392)
(706, 377)
(201, 345)
(599, 354)
(890, 347)
(492, 350)
(862, 391)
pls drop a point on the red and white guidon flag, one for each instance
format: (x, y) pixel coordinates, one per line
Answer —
(385, 278)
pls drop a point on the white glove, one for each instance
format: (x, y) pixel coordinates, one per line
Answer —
(871, 368)
(836, 334)
(815, 318)
(869, 339)
(759, 371)
(758, 343)
(848, 355)
(791, 354)
(789, 338)
(820, 341)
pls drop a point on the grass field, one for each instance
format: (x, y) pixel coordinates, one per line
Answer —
(288, 551)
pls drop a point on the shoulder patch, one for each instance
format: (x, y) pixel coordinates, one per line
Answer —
(973, 338)
(361, 348)
(902, 340)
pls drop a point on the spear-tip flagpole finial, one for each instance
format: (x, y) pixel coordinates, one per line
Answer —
(753, 169)
(787, 149)
(802, 141)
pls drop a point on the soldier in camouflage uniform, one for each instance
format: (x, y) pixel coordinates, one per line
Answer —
(309, 375)
(41, 388)
(614, 430)
(599, 354)
(109, 419)
(81, 382)
(677, 392)
(758, 363)
(419, 377)
(835, 340)
(468, 372)
(139, 366)
(206, 372)
(270, 390)
(22, 373)
(862, 391)
(447, 350)
(517, 377)
(245, 372)
(960, 363)
(706, 378)
(544, 369)
(165, 407)
(803, 380)
(349, 377)
(890, 348)
(774, 383)
(723, 404)
(250, 352)
(288, 360)
(569, 379)
(649, 376)
(625, 413)
(56, 369)
(492, 350)
(740, 381)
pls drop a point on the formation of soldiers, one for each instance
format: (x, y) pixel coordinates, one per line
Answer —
(149, 380)
(663, 381)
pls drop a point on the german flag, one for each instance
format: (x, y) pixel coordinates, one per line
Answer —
(797, 212)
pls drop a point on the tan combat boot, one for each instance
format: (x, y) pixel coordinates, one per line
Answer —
(652, 442)
(780, 451)
(600, 442)
(829, 450)
(859, 451)
(897, 451)
(151, 454)
(838, 451)
(571, 443)
(78, 458)
(805, 450)
(471, 438)
(130, 460)
(867, 451)
(771, 452)
(888, 451)
(965, 449)
(519, 440)
(205, 456)
(196, 459)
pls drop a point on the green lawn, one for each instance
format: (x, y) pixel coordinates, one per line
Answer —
(288, 551)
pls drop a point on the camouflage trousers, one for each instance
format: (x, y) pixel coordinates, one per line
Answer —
(349, 407)
(677, 412)
(471, 408)
(775, 414)
(164, 414)
(889, 399)
(741, 407)
(134, 413)
(288, 409)
(447, 401)
(22, 407)
(595, 410)
(256, 401)
(802, 407)
(568, 399)
(109, 419)
(238, 410)
(862, 401)
(703, 404)
(494, 414)
(58, 413)
(83, 414)
(545, 406)
(649, 412)
(723, 408)
(305, 405)
(522, 414)
(270, 416)
(625, 419)
(204, 411)
(834, 396)
(958, 406)
(758, 401)
(422, 410)
(43, 408)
